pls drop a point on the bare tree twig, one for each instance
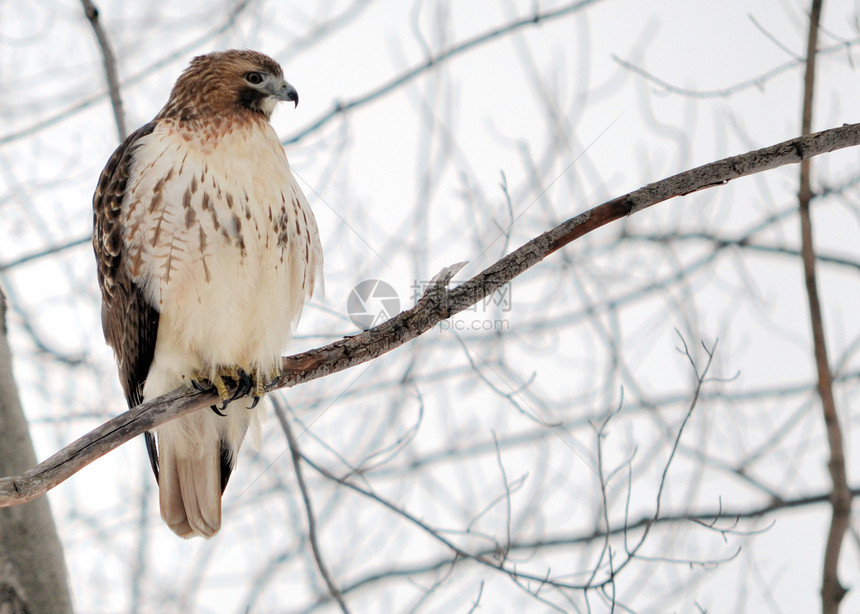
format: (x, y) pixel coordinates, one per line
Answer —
(601, 434)
(5, 266)
(757, 82)
(477, 601)
(703, 518)
(490, 560)
(832, 592)
(743, 242)
(342, 107)
(109, 61)
(437, 304)
(306, 498)
(633, 552)
(89, 101)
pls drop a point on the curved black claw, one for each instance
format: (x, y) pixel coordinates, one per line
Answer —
(218, 411)
(199, 387)
(254, 402)
(243, 386)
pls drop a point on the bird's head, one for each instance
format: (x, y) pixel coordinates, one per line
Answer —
(229, 81)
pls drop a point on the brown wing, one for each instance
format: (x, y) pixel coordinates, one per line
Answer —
(129, 322)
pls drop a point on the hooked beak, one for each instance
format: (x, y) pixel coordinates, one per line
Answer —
(287, 92)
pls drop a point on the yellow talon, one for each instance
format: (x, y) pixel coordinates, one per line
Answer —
(226, 375)
(249, 382)
(259, 387)
(221, 388)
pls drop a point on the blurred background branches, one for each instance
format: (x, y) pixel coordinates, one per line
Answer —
(577, 442)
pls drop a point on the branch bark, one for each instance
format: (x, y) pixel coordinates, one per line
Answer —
(437, 304)
(832, 592)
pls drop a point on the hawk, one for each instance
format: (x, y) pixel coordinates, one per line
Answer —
(206, 251)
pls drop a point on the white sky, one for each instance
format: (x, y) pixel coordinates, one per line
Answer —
(389, 209)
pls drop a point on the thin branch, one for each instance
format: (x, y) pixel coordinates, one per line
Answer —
(477, 601)
(146, 71)
(702, 518)
(438, 303)
(341, 108)
(306, 498)
(832, 592)
(743, 243)
(756, 82)
(774, 39)
(46, 252)
(701, 378)
(109, 60)
(606, 549)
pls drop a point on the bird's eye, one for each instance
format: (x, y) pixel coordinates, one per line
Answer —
(254, 78)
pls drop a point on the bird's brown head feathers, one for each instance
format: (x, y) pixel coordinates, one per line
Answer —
(226, 83)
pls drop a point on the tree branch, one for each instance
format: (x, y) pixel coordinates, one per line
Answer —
(33, 574)
(704, 518)
(109, 61)
(296, 455)
(758, 82)
(437, 304)
(342, 107)
(832, 592)
(179, 52)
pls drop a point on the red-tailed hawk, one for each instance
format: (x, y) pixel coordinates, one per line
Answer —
(206, 251)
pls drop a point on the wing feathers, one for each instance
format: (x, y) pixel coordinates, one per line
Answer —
(129, 322)
(226, 458)
(152, 452)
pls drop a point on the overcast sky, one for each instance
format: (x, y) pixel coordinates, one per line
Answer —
(567, 114)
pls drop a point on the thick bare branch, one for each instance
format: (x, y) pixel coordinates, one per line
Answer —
(437, 304)
(33, 574)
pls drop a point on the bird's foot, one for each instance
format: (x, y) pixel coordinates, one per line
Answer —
(225, 376)
(200, 381)
(232, 374)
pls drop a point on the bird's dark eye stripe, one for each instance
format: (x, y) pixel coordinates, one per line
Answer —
(254, 78)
